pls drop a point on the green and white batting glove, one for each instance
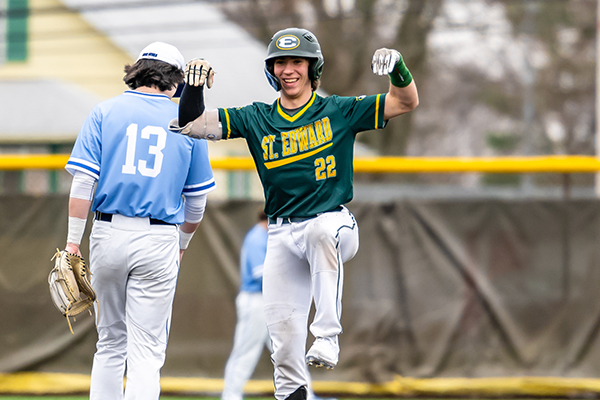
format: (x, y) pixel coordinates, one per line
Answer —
(384, 61)
(390, 62)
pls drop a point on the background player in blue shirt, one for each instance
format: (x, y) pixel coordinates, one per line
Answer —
(149, 200)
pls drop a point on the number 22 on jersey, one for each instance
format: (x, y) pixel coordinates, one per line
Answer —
(325, 168)
(132, 135)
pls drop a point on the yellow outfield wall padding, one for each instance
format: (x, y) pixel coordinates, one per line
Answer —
(46, 161)
(541, 164)
(57, 383)
(533, 164)
(43, 383)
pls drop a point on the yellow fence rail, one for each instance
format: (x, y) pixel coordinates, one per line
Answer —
(404, 165)
(40, 383)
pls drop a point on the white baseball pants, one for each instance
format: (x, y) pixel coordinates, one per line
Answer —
(250, 336)
(134, 268)
(304, 262)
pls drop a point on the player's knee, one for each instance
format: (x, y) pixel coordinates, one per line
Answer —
(285, 316)
(113, 336)
(349, 244)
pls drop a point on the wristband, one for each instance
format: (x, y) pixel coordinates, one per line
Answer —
(76, 229)
(400, 76)
(184, 239)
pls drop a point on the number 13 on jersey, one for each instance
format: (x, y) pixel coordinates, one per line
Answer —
(156, 150)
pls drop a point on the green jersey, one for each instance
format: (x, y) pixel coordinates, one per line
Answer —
(305, 160)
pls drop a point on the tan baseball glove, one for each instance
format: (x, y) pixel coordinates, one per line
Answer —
(70, 287)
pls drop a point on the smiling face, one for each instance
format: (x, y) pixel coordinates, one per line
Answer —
(292, 73)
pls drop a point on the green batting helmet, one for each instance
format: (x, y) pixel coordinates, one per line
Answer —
(294, 42)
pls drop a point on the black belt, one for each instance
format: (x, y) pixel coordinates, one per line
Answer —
(289, 220)
(108, 218)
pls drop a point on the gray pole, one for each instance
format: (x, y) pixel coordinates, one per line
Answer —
(528, 30)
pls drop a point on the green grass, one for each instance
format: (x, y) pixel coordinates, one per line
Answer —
(73, 397)
(216, 398)
(79, 397)
(182, 398)
(86, 398)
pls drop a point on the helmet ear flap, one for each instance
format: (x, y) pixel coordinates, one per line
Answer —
(271, 78)
(316, 69)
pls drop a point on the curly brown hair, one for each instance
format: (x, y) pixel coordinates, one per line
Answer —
(150, 73)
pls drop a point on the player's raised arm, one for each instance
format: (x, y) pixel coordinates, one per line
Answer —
(402, 96)
(194, 120)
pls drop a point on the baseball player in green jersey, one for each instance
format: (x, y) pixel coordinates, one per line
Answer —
(302, 146)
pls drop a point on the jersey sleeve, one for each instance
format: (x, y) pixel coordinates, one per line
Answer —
(87, 151)
(363, 112)
(233, 121)
(200, 178)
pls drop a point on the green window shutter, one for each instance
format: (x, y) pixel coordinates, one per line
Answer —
(16, 30)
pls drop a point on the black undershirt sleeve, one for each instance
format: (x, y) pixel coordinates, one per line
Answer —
(191, 104)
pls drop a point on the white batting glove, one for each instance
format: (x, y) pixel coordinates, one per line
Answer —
(384, 61)
(198, 71)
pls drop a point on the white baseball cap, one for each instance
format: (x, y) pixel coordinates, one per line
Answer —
(163, 52)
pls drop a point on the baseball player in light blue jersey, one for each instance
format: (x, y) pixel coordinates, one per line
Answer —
(251, 334)
(150, 196)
